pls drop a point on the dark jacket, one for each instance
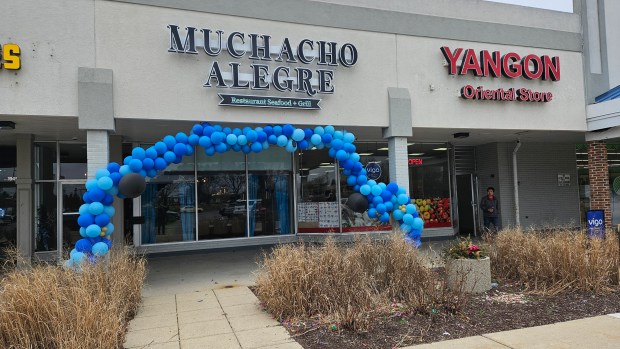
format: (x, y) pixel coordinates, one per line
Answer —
(487, 203)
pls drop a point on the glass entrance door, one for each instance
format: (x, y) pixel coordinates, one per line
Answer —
(70, 201)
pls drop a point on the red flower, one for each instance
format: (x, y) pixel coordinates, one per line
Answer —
(472, 248)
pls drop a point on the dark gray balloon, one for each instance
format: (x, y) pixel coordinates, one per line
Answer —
(131, 185)
(357, 202)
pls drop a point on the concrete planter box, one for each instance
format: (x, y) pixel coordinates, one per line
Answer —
(470, 275)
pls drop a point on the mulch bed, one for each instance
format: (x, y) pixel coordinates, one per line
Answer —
(504, 308)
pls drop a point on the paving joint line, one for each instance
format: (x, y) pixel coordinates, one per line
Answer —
(496, 341)
(227, 320)
(176, 310)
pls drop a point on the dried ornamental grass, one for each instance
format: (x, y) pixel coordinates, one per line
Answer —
(348, 284)
(49, 307)
(557, 261)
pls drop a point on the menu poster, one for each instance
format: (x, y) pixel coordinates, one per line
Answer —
(329, 215)
(308, 211)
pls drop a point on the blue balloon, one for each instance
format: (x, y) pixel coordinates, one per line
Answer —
(85, 219)
(372, 213)
(352, 180)
(93, 230)
(242, 140)
(180, 149)
(338, 134)
(221, 148)
(210, 151)
(208, 130)
(288, 130)
(127, 159)
(257, 147)
(417, 223)
(102, 173)
(160, 148)
(298, 135)
(110, 229)
(147, 164)
(361, 180)
(108, 242)
(377, 200)
(251, 136)
(282, 141)
(107, 200)
(277, 130)
(226, 131)
(326, 138)
(401, 191)
(347, 164)
(197, 130)
(402, 199)
(204, 141)
(246, 149)
(268, 130)
(192, 139)
(337, 144)
(349, 148)
(332, 153)
(113, 167)
(105, 183)
(319, 130)
(381, 208)
(135, 165)
(329, 129)
(386, 195)
(364, 189)
(355, 157)
(91, 184)
(170, 142)
(392, 187)
(217, 137)
(96, 194)
(151, 173)
(78, 258)
(151, 153)
(100, 249)
(415, 233)
(102, 219)
(181, 138)
(138, 153)
(262, 136)
(388, 206)
(86, 198)
(385, 217)
(410, 208)
(160, 164)
(303, 145)
(342, 155)
(170, 157)
(231, 139)
(315, 139)
(405, 228)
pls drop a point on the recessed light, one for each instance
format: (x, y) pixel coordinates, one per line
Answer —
(440, 149)
(365, 154)
(416, 154)
(382, 149)
(410, 143)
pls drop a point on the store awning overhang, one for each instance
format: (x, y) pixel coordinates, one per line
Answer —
(605, 113)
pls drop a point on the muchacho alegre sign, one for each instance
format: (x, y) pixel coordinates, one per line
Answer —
(510, 65)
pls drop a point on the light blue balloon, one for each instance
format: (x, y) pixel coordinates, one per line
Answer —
(242, 140)
(407, 218)
(100, 249)
(330, 129)
(84, 208)
(342, 155)
(372, 182)
(375, 190)
(382, 185)
(113, 191)
(418, 223)
(72, 253)
(298, 135)
(83, 232)
(109, 210)
(397, 214)
(124, 170)
(349, 137)
(402, 199)
(290, 147)
(110, 230)
(315, 139)
(401, 191)
(93, 230)
(319, 130)
(282, 140)
(91, 184)
(105, 183)
(355, 157)
(411, 208)
(405, 228)
(320, 145)
(231, 139)
(338, 135)
(95, 208)
(365, 189)
(102, 173)
(78, 258)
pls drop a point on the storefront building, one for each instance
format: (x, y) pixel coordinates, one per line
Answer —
(443, 103)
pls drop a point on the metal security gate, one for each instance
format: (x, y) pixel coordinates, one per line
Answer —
(466, 190)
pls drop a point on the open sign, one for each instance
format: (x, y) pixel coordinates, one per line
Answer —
(414, 161)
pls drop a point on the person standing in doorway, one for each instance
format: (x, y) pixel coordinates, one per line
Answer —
(490, 210)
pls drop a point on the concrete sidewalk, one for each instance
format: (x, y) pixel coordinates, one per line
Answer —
(202, 301)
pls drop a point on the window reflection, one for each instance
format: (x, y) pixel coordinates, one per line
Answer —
(317, 209)
(45, 217)
(8, 200)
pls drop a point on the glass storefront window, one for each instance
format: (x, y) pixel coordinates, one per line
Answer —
(169, 205)
(270, 192)
(8, 199)
(317, 208)
(45, 161)
(222, 211)
(373, 156)
(45, 217)
(73, 161)
(429, 183)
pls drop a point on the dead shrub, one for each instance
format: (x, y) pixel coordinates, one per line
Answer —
(556, 261)
(49, 307)
(349, 283)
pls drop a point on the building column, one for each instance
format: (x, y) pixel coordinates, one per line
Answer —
(96, 114)
(25, 198)
(396, 133)
(599, 179)
(116, 155)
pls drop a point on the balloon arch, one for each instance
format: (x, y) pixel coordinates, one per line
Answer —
(128, 180)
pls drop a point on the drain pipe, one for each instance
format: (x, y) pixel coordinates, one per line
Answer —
(515, 180)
